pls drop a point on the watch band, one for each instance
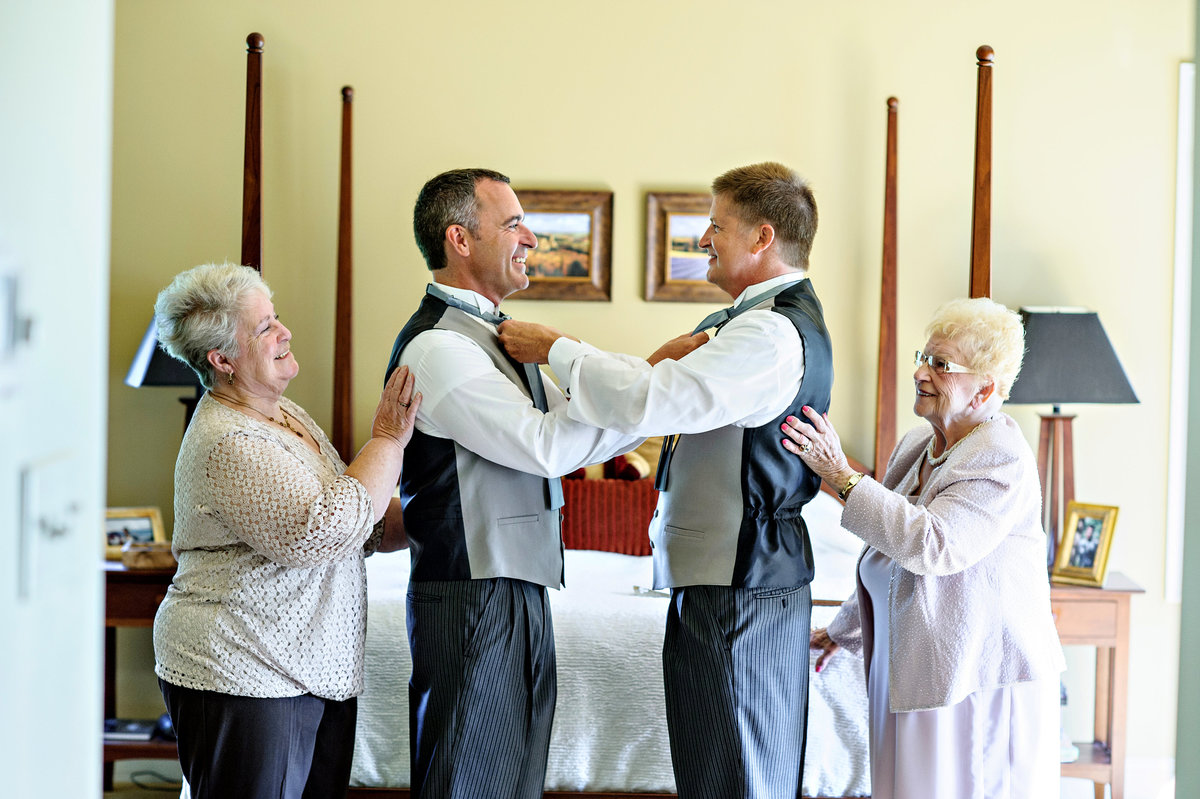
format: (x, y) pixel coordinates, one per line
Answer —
(851, 483)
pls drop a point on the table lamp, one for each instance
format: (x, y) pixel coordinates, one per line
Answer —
(152, 366)
(1068, 359)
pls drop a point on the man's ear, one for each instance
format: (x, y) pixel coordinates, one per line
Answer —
(766, 235)
(457, 237)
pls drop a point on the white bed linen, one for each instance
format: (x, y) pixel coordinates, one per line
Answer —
(610, 731)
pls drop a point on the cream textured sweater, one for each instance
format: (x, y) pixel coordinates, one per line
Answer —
(969, 602)
(270, 597)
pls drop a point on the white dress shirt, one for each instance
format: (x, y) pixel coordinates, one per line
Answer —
(744, 376)
(465, 399)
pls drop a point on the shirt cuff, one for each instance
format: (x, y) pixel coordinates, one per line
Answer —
(563, 353)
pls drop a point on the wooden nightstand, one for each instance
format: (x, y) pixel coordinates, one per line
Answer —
(1099, 617)
(130, 600)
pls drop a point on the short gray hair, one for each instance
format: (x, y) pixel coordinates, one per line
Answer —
(990, 336)
(199, 311)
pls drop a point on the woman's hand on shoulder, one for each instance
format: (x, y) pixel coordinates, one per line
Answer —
(397, 411)
(818, 445)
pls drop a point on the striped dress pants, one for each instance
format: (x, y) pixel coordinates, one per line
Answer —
(735, 669)
(481, 697)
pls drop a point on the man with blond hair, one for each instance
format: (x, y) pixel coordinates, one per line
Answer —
(728, 537)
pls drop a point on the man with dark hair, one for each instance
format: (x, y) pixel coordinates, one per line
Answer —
(728, 537)
(481, 504)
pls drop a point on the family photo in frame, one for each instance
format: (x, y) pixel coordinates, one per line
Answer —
(1086, 539)
(131, 525)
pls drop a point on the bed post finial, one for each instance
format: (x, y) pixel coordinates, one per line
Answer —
(981, 215)
(347, 94)
(254, 43)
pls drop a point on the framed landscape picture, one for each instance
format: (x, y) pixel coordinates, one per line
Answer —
(139, 525)
(1083, 552)
(676, 267)
(574, 252)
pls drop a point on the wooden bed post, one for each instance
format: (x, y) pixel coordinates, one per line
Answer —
(252, 168)
(885, 385)
(981, 234)
(343, 406)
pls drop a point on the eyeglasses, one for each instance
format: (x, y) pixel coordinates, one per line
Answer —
(939, 364)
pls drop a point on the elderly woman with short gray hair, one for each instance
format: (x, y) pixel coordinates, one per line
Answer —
(259, 643)
(952, 610)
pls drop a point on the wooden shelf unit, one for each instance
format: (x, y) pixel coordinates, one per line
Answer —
(131, 598)
(1099, 617)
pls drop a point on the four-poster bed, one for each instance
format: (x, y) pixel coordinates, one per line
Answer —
(610, 739)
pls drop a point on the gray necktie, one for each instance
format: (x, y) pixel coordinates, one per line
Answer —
(714, 319)
(533, 378)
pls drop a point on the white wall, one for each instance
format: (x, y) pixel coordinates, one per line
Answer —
(55, 157)
(1188, 734)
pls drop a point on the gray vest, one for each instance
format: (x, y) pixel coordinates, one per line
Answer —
(468, 518)
(729, 512)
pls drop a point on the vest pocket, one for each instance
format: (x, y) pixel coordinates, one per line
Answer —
(683, 532)
(510, 520)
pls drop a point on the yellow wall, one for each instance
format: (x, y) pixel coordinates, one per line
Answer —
(635, 96)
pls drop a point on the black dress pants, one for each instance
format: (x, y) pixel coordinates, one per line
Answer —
(297, 747)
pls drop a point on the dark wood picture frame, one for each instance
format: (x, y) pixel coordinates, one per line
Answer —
(588, 274)
(661, 208)
(1086, 539)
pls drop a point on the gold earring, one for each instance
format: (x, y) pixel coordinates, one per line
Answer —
(229, 379)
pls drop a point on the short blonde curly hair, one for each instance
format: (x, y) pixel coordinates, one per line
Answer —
(989, 335)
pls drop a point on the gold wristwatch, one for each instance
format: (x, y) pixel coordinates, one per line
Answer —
(851, 483)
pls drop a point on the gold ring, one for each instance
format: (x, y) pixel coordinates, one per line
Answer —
(806, 447)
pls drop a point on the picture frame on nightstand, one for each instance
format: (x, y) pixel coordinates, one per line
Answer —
(136, 525)
(1083, 552)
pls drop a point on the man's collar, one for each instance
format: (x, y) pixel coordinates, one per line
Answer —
(466, 295)
(768, 284)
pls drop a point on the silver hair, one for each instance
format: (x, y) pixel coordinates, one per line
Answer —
(199, 312)
(990, 336)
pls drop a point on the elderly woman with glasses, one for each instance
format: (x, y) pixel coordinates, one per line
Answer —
(952, 609)
(258, 645)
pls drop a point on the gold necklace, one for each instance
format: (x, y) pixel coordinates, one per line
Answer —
(284, 413)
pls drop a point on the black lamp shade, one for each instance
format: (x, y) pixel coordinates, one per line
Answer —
(1068, 359)
(152, 366)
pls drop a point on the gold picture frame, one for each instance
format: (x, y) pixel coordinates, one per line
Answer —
(1086, 539)
(574, 253)
(676, 267)
(140, 525)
